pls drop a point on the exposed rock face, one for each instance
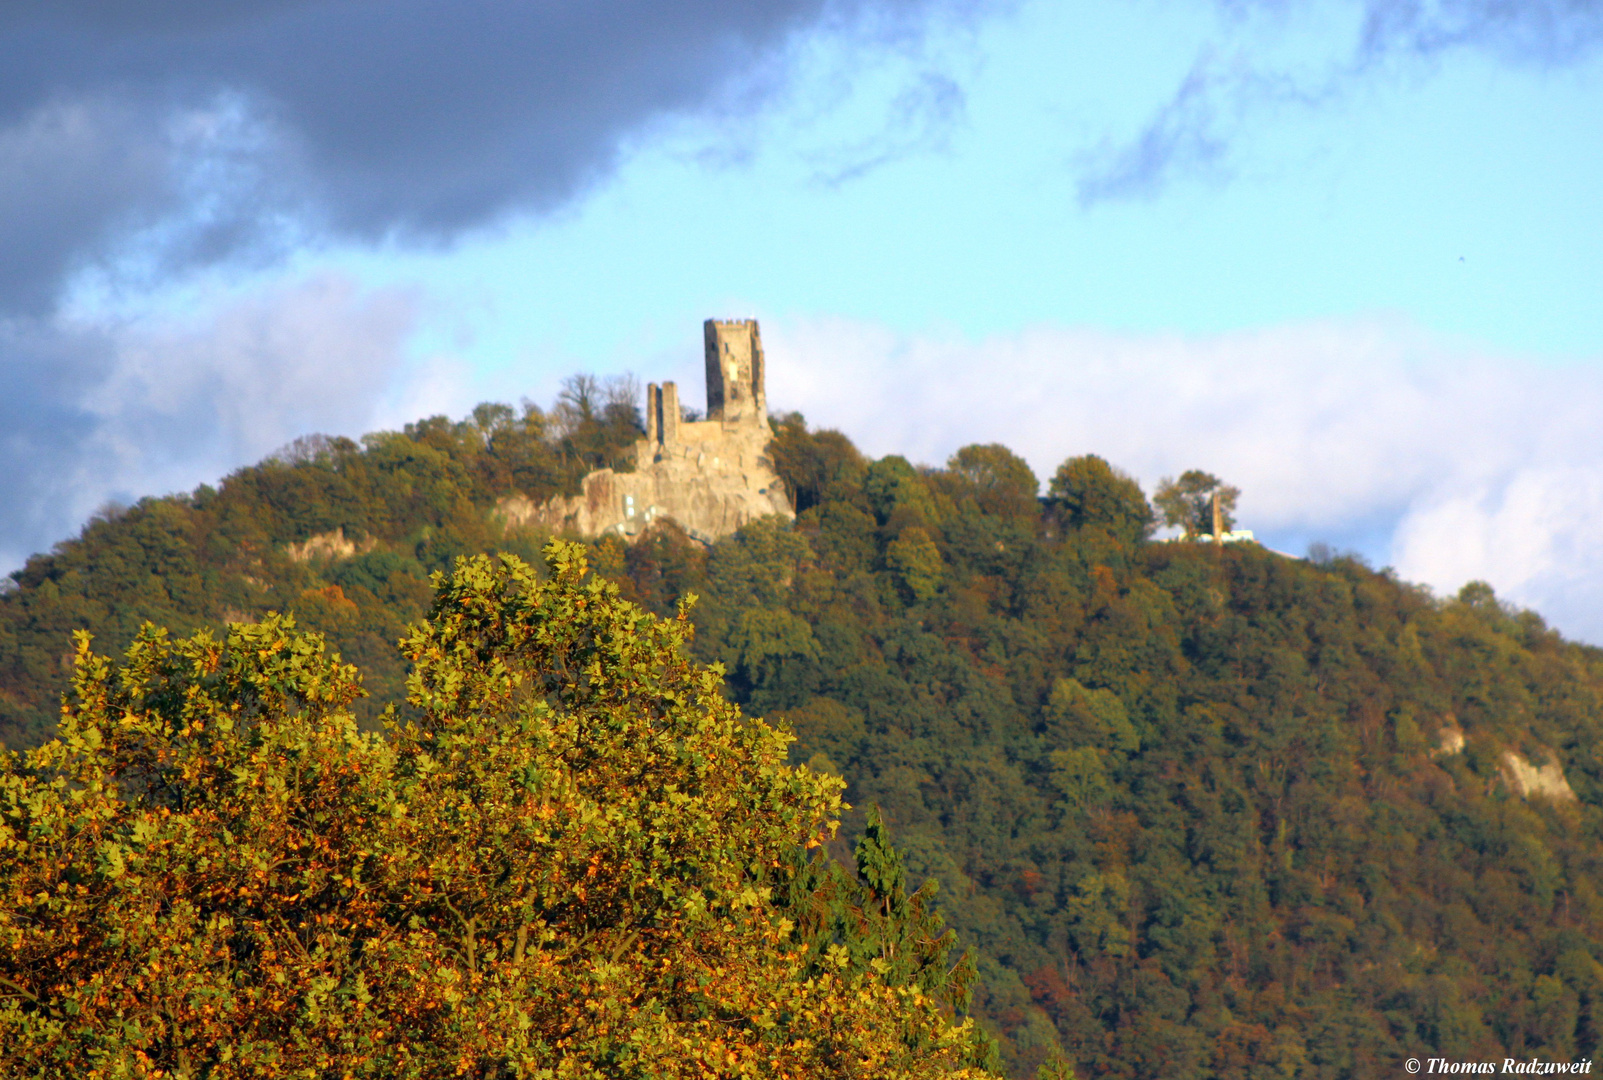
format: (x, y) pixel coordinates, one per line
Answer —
(1450, 740)
(329, 545)
(1528, 779)
(710, 476)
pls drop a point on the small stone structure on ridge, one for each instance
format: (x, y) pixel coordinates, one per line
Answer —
(709, 476)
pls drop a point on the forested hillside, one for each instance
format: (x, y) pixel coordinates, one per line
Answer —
(1205, 812)
(407, 503)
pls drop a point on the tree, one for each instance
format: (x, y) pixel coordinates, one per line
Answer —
(566, 861)
(899, 496)
(998, 480)
(881, 921)
(916, 563)
(1189, 501)
(871, 919)
(580, 399)
(600, 420)
(1087, 491)
(813, 464)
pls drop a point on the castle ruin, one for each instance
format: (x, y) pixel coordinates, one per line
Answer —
(709, 476)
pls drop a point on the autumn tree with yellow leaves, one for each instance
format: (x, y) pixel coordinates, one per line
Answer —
(572, 857)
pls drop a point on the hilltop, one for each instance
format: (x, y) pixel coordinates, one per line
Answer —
(1203, 811)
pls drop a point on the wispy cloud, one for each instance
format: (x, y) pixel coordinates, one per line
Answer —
(1539, 32)
(1469, 465)
(1183, 136)
(1230, 84)
(920, 119)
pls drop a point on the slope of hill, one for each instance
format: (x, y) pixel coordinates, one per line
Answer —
(1205, 812)
(343, 535)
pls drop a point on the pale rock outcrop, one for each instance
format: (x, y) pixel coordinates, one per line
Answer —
(709, 477)
(1527, 779)
(1450, 739)
(329, 545)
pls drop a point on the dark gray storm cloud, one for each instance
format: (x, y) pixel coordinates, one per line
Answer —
(140, 140)
(44, 424)
(1192, 131)
(366, 118)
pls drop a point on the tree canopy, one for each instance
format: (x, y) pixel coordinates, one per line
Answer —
(578, 858)
(1088, 492)
(1198, 812)
(1189, 502)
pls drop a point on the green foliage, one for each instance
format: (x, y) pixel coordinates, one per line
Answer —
(1088, 492)
(915, 562)
(867, 921)
(994, 480)
(1076, 716)
(565, 865)
(409, 501)
(817, 465)
(1189, 501)
(899, 933)
(1199, 813)
(898, 495)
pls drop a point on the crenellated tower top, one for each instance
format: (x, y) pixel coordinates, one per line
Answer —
(735, 391)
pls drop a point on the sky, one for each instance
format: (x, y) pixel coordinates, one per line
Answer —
(1343, 254)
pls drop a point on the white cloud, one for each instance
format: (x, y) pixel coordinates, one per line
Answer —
(310, 357)
(433, 386)
(1444, 461)
(1534, 534)
(110, 409)
(1469, 465)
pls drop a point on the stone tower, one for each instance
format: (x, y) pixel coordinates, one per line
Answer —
(735, 393)
(662, 415)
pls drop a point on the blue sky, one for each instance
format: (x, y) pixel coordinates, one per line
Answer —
(1344, 254)
(1457, 190)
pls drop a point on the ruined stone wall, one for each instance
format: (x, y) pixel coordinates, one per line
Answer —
(710, 476)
